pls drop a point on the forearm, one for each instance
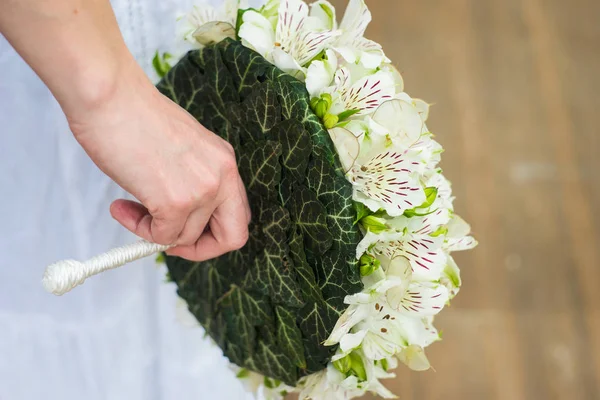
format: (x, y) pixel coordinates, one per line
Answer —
(75, 46)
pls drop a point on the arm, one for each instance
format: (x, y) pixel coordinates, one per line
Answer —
(184, 176)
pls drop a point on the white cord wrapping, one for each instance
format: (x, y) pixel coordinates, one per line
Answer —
(63, 276)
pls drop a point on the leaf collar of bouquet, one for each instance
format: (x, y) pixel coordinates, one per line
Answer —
(396, 219)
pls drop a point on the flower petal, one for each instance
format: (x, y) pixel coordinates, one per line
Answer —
(401, 121)
(309, 44)
(322, 16)
(451, 277)
(382, 345)
(287, 63)
(351, 341)
(423, 299)
(257, 33)
(320, 74)
(290, 22)
(346, 145)
(464, 243)
(355, 20)
(414, 357)
(388, 178)
(368, 93)
(213, 32)
(349, 318)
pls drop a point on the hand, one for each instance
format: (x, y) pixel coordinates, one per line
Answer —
(184, 176)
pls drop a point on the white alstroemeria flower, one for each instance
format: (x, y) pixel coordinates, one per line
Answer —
(382, 176)
(429, 153)
(421, 105)
(329, 384)
(414, 242)
(320, 73)
(206, 24)
(387, 180)
(457, 238)
(364, 95)
(373, 324)
(289, 45)
(400, 121)
(352, 45)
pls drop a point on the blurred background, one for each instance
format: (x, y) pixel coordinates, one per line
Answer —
(516, 87)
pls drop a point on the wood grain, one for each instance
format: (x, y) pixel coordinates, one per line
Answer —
(516, 88)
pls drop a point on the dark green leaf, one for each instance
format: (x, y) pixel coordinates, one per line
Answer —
(271, 304)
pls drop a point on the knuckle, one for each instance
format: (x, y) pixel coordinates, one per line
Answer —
(229, 148)
(211, 186)
(229, 165)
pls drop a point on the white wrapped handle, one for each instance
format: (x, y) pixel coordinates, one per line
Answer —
(63, 276)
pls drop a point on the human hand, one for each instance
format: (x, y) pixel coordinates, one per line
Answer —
(184, 176)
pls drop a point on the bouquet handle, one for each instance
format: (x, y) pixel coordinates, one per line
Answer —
(61, 277)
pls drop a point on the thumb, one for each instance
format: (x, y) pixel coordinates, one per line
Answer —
(133, 216)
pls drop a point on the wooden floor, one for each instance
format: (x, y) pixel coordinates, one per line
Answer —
(516, 85)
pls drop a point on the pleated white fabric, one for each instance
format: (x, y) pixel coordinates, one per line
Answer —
(117, 336)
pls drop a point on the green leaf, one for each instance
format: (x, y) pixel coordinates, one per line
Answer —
(361, 211)
(344, 115)
(289, 336)
(161, 64)
(373, 224)
(271, 304)
(260, 168)
(430, 196)
(295, 146)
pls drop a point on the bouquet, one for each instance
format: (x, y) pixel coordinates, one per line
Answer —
(349, 254)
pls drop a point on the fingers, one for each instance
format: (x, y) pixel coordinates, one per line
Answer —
(228, 231)
(194, 226)
(130, 214)
(244, 198)
(137, 219)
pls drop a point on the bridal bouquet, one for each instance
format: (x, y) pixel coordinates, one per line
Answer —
(349, 255)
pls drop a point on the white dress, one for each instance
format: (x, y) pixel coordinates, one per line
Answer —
(117, 336)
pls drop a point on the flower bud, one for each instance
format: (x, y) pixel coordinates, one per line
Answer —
(330, 120)
(368, 264)
(327, 98)
(313, 103)
(321, 108)
(374, 224)
(343, 364)
(357, 366)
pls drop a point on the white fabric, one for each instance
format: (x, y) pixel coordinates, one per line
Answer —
(115, 337)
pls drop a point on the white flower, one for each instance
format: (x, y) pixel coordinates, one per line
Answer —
(290, 45)
(400, 120)
(330, 384)
(458, 238)
(414, 242)
(206, 24)
(320, 73)
(389, 181)
(364, 95)
(352, 45)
